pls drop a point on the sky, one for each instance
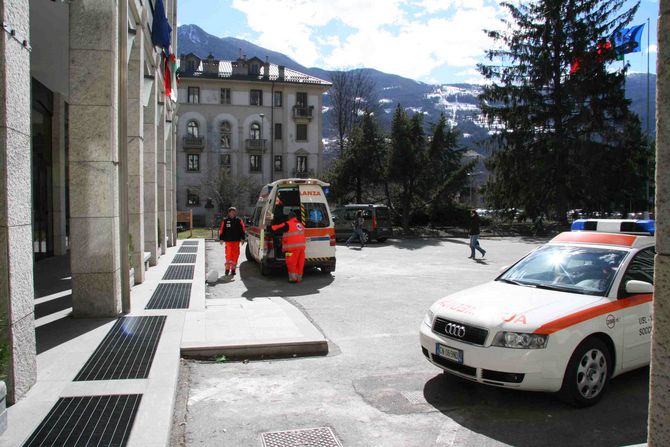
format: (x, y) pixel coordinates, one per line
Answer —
(434, 41)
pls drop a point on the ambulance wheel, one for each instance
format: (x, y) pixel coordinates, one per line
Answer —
(588, 373)
(247, 253)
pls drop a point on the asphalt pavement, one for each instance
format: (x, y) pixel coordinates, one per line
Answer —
(375, 388)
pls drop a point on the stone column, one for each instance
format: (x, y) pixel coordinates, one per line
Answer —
(169, 209)
(174, 179)
(17, 322)
(659, 405)
(59, 160)
(93, 152)
(150, 189)
(135, 155)
(160, 178)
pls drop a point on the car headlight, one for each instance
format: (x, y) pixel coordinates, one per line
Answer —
(520, 340)
(428, 318)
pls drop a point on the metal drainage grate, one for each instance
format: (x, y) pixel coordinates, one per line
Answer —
(170, 296)
(87, 420)
(179, 272)
(184, 259)
(312, 437)
(188, 250)
(127, 350)
(190, 243)
(414, 397)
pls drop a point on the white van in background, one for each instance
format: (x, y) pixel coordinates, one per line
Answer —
(306, 198)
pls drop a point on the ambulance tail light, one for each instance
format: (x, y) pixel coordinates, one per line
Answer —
(374, 222)
(333, 242)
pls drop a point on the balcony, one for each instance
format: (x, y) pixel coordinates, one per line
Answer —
(191, 142)
(303, 112)
(255, 145)
(309, 173)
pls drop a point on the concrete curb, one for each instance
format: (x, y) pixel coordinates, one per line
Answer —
(244, 329)
(259, 351)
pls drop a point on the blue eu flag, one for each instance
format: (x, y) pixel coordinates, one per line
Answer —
(628, 40)
(160, 28)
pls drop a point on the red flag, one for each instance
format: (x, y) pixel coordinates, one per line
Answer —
(167, 77)
(575, 65)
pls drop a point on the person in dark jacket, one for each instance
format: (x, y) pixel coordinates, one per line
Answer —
(233, 233)
(474, 235)
(357, 225)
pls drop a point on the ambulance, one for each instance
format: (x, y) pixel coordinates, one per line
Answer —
(566, 318)
(307, 199)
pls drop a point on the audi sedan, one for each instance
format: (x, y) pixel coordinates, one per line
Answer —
(566, 318)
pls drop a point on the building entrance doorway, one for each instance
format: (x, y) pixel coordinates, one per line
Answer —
(41, 124)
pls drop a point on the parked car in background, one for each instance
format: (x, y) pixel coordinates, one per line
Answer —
(377, 218)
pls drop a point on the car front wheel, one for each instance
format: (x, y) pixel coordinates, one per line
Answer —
(588, 373)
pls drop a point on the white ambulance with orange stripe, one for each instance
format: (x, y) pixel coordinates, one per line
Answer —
(307, 199)
(566, 318)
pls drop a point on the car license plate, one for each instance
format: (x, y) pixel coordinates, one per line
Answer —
(452, 354)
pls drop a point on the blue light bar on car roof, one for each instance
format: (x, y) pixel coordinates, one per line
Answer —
(648, 226)
(578, 225)
(615, 226)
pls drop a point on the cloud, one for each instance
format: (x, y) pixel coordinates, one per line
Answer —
(407, 37)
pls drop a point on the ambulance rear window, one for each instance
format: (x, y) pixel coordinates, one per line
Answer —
(316, 215)
(286, 201)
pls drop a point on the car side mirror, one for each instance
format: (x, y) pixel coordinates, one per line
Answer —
(639, 287)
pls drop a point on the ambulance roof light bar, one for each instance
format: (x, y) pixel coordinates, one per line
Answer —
(630, 226)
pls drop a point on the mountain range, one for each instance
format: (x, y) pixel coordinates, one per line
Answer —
(457, 101)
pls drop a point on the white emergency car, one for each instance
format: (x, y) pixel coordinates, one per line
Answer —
(566, 318)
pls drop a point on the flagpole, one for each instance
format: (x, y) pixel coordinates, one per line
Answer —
(648, 112)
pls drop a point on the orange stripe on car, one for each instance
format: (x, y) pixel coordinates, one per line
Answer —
(588, 237)
(587, 314)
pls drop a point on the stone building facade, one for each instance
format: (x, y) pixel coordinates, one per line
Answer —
(87, 137)
(243, 124)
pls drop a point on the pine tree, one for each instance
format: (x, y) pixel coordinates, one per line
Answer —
(422, 171)
(406, 160)
(560, 138)
(360, 169)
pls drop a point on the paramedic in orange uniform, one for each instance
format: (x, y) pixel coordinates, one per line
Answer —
(232, 232)
(293, 245)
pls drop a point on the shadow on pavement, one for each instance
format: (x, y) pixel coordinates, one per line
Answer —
(63, 330)
(276, 284)
(414, 244)
(52, 275)
(529, 419)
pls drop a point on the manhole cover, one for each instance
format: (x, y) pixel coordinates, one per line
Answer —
(414, 397)
(310, 437)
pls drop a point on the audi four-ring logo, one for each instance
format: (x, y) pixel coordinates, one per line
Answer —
(455, 330)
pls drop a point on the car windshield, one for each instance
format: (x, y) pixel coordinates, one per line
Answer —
(572, 269)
